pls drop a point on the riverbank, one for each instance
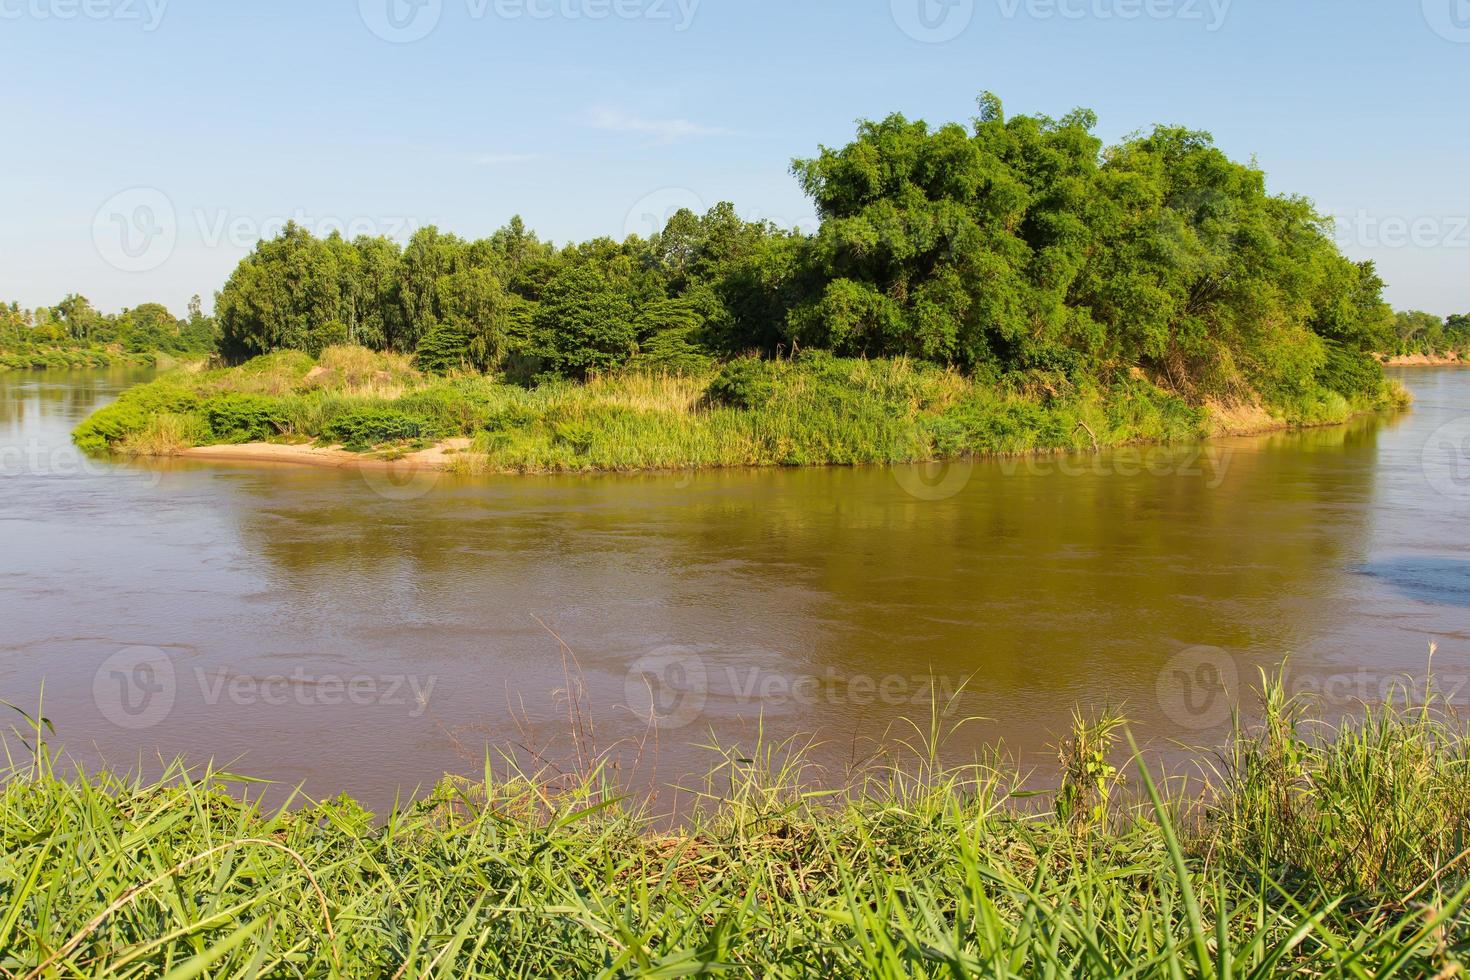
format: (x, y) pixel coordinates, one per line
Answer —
(1426, 360)
(441, 456)
(354, 405)
(1305, 851)
(83, 358)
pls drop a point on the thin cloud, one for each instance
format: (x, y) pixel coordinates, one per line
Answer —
(618, 121)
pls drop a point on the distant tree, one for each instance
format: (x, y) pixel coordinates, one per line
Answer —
(474, 304)
(1417, 332)
(79, 319)
(1457, 333)
(149, 327)
(199, 333)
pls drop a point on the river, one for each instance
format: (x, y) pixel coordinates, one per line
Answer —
(365, 633)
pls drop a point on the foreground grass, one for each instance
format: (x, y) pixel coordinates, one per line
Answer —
(1311, 852)
(814, 410)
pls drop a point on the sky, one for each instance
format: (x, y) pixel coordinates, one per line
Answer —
(150, 143)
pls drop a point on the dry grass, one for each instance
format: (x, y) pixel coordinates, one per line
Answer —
(1239, 418)
(360, 373)
(676, 394)
(165, 434)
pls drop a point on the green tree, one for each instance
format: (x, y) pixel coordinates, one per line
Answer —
(279, 292)
(584, 323)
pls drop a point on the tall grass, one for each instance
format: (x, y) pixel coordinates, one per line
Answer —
(1312, 851)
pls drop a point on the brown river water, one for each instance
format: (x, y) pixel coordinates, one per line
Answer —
(367, 632)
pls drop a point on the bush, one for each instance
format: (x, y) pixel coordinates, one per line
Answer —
(131, 413)
(674, 351)
(444, 347)
(333, 333)
(747, 383)
(246, 418)
(367, 427)
(451, 408)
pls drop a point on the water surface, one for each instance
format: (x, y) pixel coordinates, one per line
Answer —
(367, 633)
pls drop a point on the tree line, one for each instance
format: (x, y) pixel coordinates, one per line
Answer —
(75, 324)
(1417, 332)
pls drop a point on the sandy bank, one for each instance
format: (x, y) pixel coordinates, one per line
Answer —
(434, 458)
(1425, 360)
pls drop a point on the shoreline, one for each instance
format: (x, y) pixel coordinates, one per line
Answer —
(1426, 360)
(435, 458)
(285, 410)
(157, 360)
(442, 456)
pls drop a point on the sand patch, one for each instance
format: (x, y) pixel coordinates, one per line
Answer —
(436, 457)
(1425, 360)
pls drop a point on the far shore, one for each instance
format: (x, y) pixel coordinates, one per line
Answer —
(1426, 360)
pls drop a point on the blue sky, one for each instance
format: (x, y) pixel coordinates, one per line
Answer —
(150, 142)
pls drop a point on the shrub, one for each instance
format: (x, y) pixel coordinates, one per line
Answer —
(367, 427)
(674, 351)
(333, 333)
(131, 413)
(237, 418)
(747, 383)
(444, 347)
(452, 409)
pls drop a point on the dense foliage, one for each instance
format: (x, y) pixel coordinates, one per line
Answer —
(74, 333)
(1424, 333)
(1309, 853)
(1015, 247)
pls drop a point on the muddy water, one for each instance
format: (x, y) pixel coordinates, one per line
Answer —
(365, 633)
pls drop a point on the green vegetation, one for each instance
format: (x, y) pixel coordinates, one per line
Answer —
(1304, 851)
(813, 409)
(1427, 334)
(1007, 287)
(73, 334)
